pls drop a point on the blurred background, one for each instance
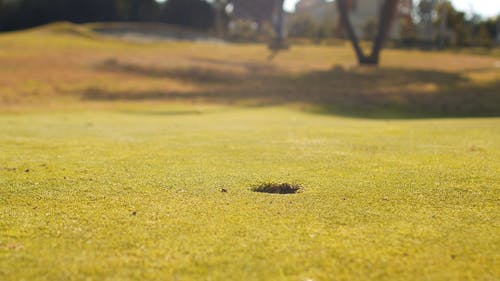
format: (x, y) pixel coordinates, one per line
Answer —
(430, 23)
(434, 57)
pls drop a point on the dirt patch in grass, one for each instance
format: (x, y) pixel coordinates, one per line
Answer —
(277, 188)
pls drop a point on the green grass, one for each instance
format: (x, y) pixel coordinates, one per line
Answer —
(96, 185)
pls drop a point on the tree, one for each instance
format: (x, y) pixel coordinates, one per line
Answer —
(408, 32)
(2, 9)
(140, 10)
(426, 10)
(483, 37)
(386, 16)
(302, 26)
(278, 17)
(221, 16)
(28, 13)
(260, 11)
(456, 22)
(193, 13)
(370, 28)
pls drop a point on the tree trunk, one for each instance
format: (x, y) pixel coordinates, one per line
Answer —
(346, 24)
(218, 18)
(386, 17)
(278, 42)
(443, 27)
(385, 21)
(278, 25)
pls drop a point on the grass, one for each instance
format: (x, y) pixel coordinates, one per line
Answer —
(112, 164)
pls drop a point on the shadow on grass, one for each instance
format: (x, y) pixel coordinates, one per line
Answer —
(195, 75)
(164, 112)
(358, 92)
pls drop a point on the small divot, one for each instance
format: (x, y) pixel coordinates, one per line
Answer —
(277, 188)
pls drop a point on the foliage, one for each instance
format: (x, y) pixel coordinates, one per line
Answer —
(27, 13)
(243, 30)
(461, 30)
(370, 29)
(408, 33)
(194, 13)
(303, 26)
(138, 10)
(457, 22)
(425, 10)
(483, 37)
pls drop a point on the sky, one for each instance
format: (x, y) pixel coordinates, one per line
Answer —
(485, 8)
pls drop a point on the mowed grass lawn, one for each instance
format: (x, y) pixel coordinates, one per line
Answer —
(113, 155)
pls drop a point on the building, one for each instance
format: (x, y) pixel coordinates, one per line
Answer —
(318, 10)
(258, 11)
(363, 13)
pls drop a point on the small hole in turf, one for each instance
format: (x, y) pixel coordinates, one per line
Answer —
(277, 188)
